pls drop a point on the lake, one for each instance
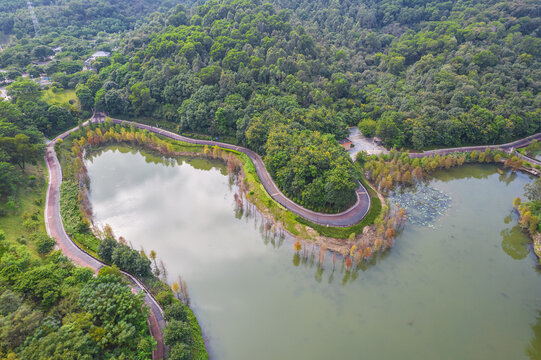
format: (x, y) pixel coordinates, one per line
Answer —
(465, 287)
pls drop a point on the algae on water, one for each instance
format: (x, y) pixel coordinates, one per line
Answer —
(424, 204)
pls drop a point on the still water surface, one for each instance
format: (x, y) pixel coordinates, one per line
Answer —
(468, 288)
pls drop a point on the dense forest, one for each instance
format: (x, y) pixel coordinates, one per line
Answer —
(427, 74)
(75, 28)
(75, 17)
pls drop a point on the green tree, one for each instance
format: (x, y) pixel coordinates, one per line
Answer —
(9, 179)
(368, 127)
(24, 91)
(140, 99)
(176, 332)
(20, 150)
(85, 96)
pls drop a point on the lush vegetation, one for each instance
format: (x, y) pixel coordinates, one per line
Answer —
(182, 334)
(52, 309)
(77, 27)
(310, 168)
(28, 110)
(73, 17)
(433, 73)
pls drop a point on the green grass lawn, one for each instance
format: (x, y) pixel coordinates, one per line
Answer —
(61, 98)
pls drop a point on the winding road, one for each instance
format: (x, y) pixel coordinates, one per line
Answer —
(346, 218)
(55, 229)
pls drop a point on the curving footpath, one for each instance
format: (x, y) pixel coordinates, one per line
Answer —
(509, 148)
(55, 229)
(349, 217)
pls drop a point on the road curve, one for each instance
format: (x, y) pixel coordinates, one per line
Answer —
(55, 229)
(349, 217)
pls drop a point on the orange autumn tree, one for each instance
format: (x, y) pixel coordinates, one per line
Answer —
(348, 262)
(367, 253)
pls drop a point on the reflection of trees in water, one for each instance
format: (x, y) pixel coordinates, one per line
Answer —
(533, 350)
(270, 233)
(334, 266)
(508, 177)
(515, 243)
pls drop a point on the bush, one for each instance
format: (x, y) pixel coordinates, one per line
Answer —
(165, 298)
(176, 311)
(180, 352)
(176, 332)
(124, 257)
(110, 270)
(44, 243)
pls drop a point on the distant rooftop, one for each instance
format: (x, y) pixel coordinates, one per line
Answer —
(100, 53)
(96, 55)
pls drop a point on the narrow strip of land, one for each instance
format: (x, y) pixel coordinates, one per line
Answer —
(349, 217)
(55, 229)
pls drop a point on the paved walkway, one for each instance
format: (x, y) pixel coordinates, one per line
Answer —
(508, 148)
(55, 229)
(349, 217)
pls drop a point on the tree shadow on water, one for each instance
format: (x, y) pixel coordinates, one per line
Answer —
(533, 350)
(515, 243)
(333, 267)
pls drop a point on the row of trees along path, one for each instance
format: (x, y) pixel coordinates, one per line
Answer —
(55, 229)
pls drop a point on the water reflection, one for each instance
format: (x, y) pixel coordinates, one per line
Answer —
(533, 350)
(335, 265)
(250, 292)
(514, 243)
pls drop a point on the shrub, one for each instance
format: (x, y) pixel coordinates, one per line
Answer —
(176, 332)
(44, 243)
(180, 352)
(165, 298)
(110, 270)
(176, 311)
